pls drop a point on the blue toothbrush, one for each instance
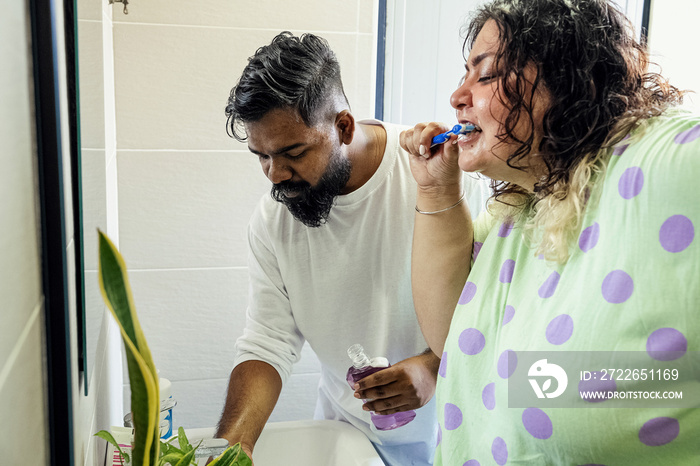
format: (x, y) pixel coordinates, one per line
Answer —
(456, 129)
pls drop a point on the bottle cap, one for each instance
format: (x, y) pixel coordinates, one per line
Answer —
(380, 362)
(166, 389)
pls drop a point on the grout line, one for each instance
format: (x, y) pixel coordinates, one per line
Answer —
(223, 151)
(227, 378)
(14, 354)
(181, 269)
(234, 28)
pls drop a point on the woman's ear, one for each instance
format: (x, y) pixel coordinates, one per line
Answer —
(345, 123)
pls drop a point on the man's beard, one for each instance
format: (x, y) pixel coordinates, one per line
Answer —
(312, 205)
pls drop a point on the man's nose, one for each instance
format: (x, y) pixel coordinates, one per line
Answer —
(278, 171)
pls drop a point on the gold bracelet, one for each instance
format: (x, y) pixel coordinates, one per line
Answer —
(442, 210)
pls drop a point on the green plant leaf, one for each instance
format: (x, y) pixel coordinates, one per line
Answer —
(145, 402)
(182, 440)
(103, 434)
(187, 459)
(171, 458)
(232, 456)
(166, 448)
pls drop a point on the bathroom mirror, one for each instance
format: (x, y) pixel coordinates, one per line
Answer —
(91, 213)
(163, 179)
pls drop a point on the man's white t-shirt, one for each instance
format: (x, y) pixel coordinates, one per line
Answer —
(345, 282)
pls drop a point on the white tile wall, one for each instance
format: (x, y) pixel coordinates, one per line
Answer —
(91, 84)
(173, 82)
(94, 175)
(308, 15)
(103, 406)
(191, 318)
(188, 208)
(23, 434)
(671, 50)
(186, 190)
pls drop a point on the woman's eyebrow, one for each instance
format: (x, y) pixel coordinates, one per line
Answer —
(478, 59)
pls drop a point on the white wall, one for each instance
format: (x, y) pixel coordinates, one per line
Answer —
(23, 432)
(424, 62)
(102, 407)
(424, 59)
(186, 190)
(673, 44)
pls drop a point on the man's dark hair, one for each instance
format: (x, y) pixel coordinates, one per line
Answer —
(299, 73)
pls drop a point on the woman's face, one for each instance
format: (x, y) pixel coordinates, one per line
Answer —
(477, 102)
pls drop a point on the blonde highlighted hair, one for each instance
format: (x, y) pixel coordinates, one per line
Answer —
(551, 223)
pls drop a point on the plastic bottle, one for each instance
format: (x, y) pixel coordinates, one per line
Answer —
(362, 366)
(167, 403)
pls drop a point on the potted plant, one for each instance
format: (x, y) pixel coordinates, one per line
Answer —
(147, 449)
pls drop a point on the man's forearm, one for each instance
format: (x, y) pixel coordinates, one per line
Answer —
(253, 390)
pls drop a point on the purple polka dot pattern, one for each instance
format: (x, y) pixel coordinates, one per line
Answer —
(619, 150)
(631, 182)
(467, 293)
(617, 287)
(687, 136)
(560, 329)
(471, 341)
(472, 463)
(589, 237)
(666, 344)
(488, 396)
(476, 249)
(508, 314)
(537, 423)
(659, 431)
(676, 233)
(442, 370)
(595, 384)
(453, 416)
(439, 435)
(506, 275)
(505, 229)
(499, 450)
(507, 362)
(586, 195)
(549, 286)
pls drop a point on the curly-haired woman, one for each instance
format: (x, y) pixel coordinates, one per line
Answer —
(589, 243)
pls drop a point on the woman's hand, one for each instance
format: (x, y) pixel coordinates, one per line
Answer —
(435, 169)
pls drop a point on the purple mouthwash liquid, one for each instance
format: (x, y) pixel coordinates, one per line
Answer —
(361, 367)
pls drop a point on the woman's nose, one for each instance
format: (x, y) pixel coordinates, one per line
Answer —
(462, 96)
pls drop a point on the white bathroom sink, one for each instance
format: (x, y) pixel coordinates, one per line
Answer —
(306, 443)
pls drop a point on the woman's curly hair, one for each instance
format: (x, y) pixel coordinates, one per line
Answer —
(595, 75)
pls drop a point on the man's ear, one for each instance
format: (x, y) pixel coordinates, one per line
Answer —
(345, 123)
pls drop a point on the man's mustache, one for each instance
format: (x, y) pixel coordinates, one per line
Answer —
(291, 186)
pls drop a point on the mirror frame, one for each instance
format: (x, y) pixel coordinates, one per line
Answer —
(50, 137)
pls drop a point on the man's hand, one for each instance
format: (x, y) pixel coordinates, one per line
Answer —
(408, 384)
